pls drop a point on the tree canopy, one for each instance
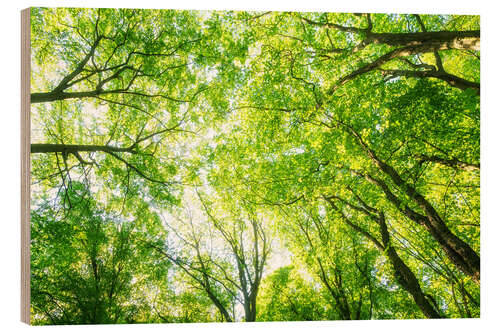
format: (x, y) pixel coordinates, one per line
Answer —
(196, 166)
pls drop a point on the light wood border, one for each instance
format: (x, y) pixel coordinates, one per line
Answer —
(25, 165)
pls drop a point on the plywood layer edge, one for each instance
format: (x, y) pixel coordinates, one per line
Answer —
(25, 165)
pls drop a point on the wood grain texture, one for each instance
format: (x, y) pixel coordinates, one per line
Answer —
(25, 166)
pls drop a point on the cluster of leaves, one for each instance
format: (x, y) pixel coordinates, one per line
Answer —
(89, 267)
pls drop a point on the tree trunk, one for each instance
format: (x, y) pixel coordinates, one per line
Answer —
(68, 149)
(61, 95)
(438, 40)
(451, 79)
(404, 274)
(458, 251)
(219, 306)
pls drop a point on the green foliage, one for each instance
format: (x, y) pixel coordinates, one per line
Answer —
(88, 267)
(287, 296)
(226, 166)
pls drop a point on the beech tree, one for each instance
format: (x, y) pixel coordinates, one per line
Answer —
(226, 261)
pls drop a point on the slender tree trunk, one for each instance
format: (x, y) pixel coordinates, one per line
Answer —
(342, 307)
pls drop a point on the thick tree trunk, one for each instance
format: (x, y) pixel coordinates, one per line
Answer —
(451, 79)
(452, 163)
(62, 95)
(458, 251)
(450, 39)
(219, 306)
(250, 314)
(439, 40)
(404, 274)
(251, 308)
(414, 43)
(409, 282)
(69, 149)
